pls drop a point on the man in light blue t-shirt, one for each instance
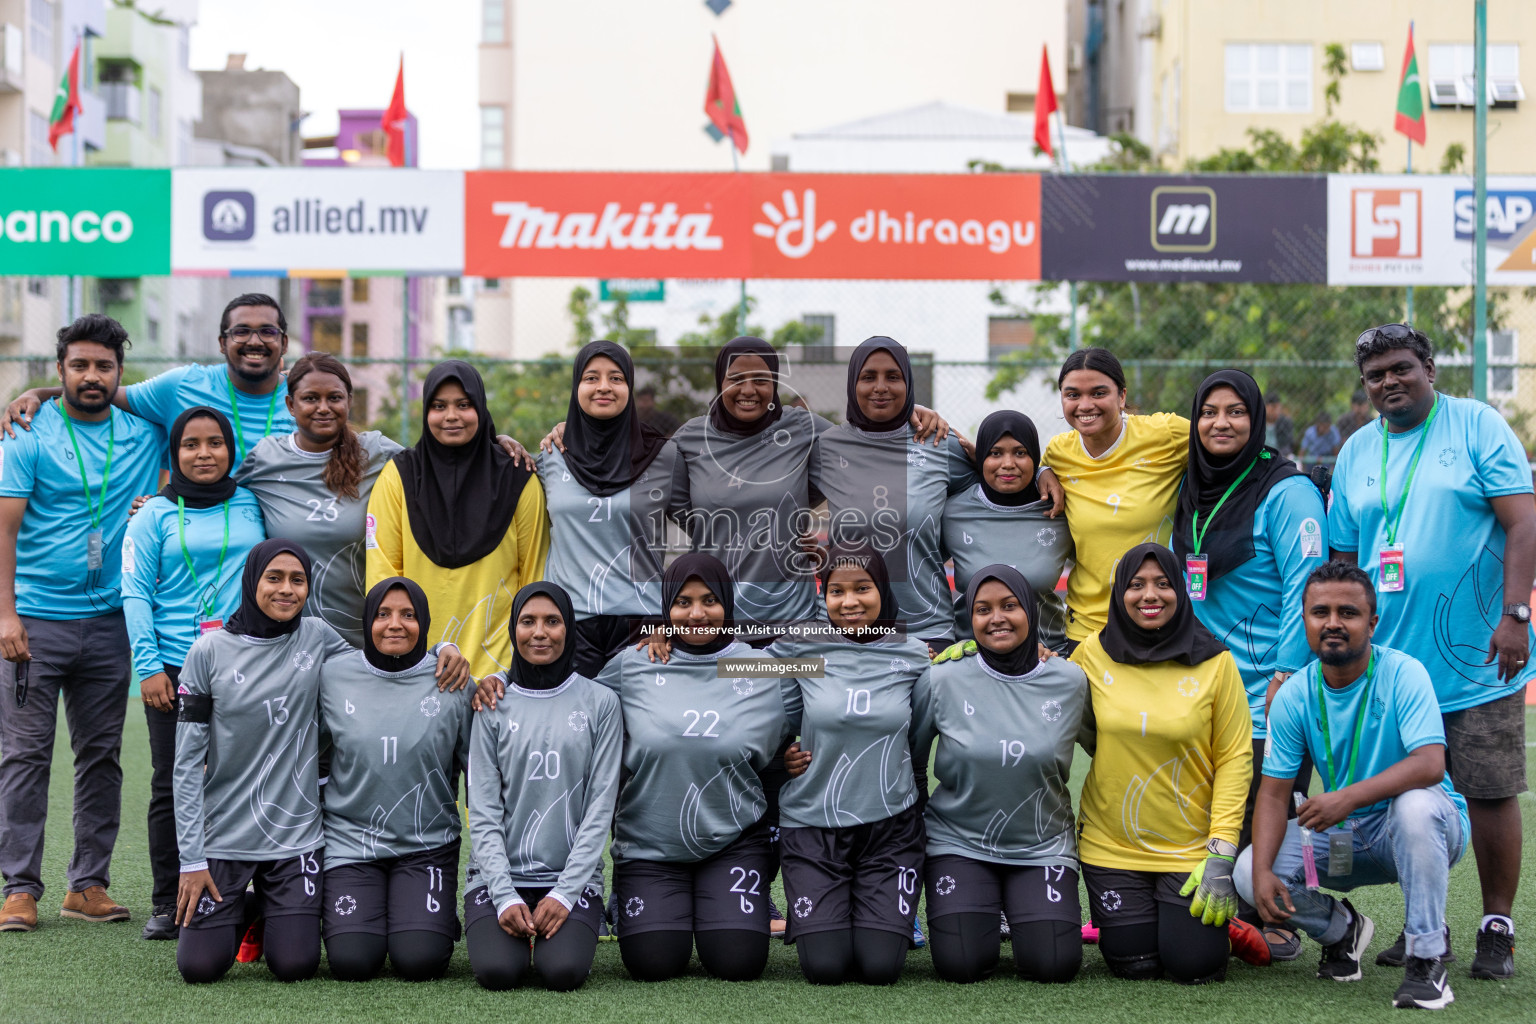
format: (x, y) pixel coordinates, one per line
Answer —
(1367, 716)
(1434, 502)
(65, 489)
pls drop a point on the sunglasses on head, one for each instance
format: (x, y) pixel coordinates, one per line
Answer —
(1391, 332)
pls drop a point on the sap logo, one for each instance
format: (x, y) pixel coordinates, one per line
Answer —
(1386, 223)
(1183, 218)
(1508, 212)
(229, 216)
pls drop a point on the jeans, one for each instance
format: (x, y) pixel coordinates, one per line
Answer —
(1413, 843)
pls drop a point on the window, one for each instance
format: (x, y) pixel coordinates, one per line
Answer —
(824, 325)
(1269, 78)
(325, 334)
(41, 28)
(326, 294)
(1502, 350)
(493, 21)
(38, 151)
(360, 340)
(491, 284)
(152, 330)
(360, 290)
(359, 415)
(455, 286)
(1006, 334)
(1452, 74)
(154, 113)
(1367, 57)
(493, 136)
(37, 286)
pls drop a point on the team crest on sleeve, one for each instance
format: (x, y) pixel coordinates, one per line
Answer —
(430, 706)
(1311, 536)
(577, 720)
(371, 533)
(129, 555)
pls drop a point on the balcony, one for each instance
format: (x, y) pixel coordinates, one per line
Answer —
(123, 101)
(12, 53)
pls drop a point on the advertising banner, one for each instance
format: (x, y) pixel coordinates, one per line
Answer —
(1185, 228)
(1403, 229)
(101, 222)
(298, 220)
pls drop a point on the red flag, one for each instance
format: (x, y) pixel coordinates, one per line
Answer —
(1045, 104)
(721, 105)
(394, 119)
(66, 102)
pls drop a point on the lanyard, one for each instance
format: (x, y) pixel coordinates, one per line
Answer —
(234, 407)
(1322, 713)
(1199, 534)
(181, 534)
(95, 511)
(1391, 519)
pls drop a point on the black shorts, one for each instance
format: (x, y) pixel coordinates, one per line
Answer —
(1117, 897)
(961, 885)
(414, 893)
(865, 876)
(728, 890)
(587, 910)
(1485, 748)
(287, 887)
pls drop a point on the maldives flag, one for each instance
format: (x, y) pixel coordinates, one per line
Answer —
(66, 102)
(1045, 104)
(394, 119)
(721, 105)
(1410, 98)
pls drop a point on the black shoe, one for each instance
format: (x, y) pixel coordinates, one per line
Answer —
(1003, 931)
(1396, 954)
(1425, 986)
(1495, 960)
(1341, 961)
(161, 924)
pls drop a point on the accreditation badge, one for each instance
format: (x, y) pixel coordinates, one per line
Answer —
(1341, 851)
(1197, 570)
(1393, 575)
(209, 626)
(93, 549)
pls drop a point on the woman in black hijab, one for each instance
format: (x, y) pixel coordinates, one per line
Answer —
(460, 516)
(1162, 807)
(1002, 518)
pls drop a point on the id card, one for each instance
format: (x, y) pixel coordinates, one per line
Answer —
(1196, 574)
(1341, 853)
(93, 549)
(209, 626)
(1393, 575)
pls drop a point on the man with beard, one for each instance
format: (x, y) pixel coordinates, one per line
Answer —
(253, 338)
(1368, 717)
(65, 489)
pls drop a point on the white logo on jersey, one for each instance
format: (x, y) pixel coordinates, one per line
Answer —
(431, 705)
(803, 907)
(1046, 536)
(742, 686)
(239, 677)
(303, 661)
(482, 897)
(1189, 686)
(968, 709)
(371, 533)
(128, 554)
(577, 720)
(1050, 710)
(635, 907)
(915, 457)
(661, 680)
(206, 905)
(350, 708)
(1110, 899)
(897, 665)
(966, 537)
(1109, 680)
(944, 886)
(345, 905)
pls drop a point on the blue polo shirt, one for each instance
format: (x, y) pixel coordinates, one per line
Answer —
(162, 398)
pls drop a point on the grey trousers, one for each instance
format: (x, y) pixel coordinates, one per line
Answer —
(88, 661)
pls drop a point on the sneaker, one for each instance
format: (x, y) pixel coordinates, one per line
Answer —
(1396, 954)
(1003, 931)
(776, 923)
(93, 904)
(1341, 961)
(1248, 943)
(161, 924)
(1090, 935)
(19, 913)
(1425, 986)
(1495, 960)
(918, 941)
(251, 946)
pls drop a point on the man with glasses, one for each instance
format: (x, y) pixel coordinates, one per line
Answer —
(1434, 502)
(253, 338)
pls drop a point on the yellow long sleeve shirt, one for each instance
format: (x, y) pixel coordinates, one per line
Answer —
(1173, 761)
(470, 605)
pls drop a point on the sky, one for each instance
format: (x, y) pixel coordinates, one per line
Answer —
(344, 54)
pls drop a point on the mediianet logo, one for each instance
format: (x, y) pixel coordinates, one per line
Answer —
(229, 216)
(646, 227)
(1386, 223)
(1183, 218)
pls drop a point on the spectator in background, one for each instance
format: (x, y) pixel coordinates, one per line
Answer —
(1360, 413)
(1321, 440)
(1281, 431)
(653, 415)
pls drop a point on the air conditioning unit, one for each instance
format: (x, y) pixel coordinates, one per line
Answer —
(1505, 91)
(1442, 92)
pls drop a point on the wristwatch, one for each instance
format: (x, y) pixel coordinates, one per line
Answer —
(1518, 612)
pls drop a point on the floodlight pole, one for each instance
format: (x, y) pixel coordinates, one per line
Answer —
(1480, 193)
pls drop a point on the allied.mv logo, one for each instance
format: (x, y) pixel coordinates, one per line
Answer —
(1183, 218)
(229, 216)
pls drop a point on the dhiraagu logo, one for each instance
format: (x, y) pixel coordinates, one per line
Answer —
(97, 222)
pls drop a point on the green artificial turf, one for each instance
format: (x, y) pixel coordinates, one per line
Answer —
(73, 971)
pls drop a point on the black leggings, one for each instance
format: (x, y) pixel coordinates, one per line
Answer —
(966, 948)
(862, 954)
(730, 955)
(291, 947)
(1189, 952)
(501, 961)
(415, 956)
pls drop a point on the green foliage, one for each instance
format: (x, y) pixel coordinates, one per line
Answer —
(1455, 158)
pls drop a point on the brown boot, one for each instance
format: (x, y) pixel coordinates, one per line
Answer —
(93, 905)
(19, 913)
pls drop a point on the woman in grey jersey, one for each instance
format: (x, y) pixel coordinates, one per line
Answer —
(692, 848)
(543, 774)
(397, 749)
(314, 484)
(1002, 518)
(1000, 824)
(851, 831)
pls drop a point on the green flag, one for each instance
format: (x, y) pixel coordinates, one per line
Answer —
(1410, 97)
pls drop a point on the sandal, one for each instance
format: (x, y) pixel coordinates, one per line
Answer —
(1284, 944)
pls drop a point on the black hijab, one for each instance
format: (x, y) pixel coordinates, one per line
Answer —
(1228, 542)
(192, 493)
(864, 556)
(606, 456)
(856, 363)
(1183, 639)
(459, 499)
(543, 677)
(371, 604)
(1023, 658)
(712, 573)
(719, 417)
(1022, 429)
(249, 619)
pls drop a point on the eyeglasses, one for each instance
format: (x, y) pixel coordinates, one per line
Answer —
(1391, 332)
(243, 333)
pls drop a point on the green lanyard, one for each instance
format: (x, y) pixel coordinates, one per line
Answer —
(234, 407)
(1360, 716)
(94, 511)
(1199, 534)
(1391, 518)
(181, 534)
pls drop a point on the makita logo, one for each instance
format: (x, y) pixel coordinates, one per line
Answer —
(533, 227)
(1183, 219)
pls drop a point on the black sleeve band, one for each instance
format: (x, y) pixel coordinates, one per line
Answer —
(195, 708)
